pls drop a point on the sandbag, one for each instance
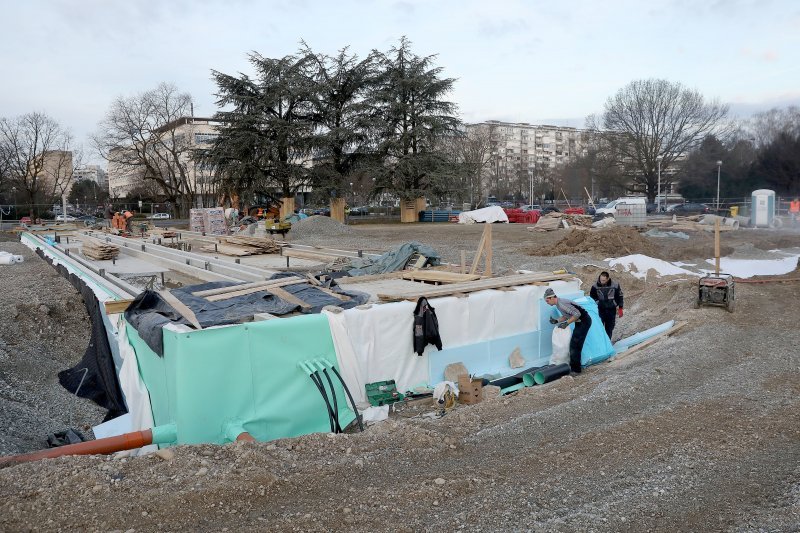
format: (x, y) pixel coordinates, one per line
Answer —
(561, 338)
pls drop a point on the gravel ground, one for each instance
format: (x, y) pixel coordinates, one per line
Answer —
(44, 329)
(700, 432)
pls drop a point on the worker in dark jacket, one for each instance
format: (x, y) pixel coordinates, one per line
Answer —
(571, 313)
(608, 295)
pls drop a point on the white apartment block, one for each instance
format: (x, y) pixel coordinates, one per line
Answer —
(519, 145)
(93, 173)
(188, 134)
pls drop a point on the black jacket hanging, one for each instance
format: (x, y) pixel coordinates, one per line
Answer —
(426, 326)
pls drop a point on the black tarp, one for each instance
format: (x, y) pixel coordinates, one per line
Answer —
(149, 312)
(95, 376)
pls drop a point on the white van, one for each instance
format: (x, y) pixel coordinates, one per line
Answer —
(611, 208)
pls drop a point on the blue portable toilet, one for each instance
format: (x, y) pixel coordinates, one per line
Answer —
(762, 213)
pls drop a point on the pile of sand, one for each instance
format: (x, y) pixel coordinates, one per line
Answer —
(606, 242)
(319, 226)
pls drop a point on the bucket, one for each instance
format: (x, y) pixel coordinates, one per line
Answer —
(735, 211)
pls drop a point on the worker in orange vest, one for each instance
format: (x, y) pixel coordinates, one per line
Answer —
(794, 210)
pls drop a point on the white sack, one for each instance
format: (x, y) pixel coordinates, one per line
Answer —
(561, 338)
(487, 214)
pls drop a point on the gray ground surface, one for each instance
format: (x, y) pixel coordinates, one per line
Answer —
(700, 432)
(44, 329)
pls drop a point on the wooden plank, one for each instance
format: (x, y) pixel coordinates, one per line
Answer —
(288, 297)
(314, 281)
(268, 287)
(473, 286)
(478, 254)
(116, 306)
(342, 297)
(322, 258)
(488, 268)
(648, 342)
(181, 308)
(235, 288)
(463, 261)
(371, 277)
(439, 276)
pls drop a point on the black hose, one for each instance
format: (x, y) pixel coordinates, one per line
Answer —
(350, 397)
(321, 390)
(333, 396)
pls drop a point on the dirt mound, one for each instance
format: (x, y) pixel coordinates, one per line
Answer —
(605, 242)
(319, 226)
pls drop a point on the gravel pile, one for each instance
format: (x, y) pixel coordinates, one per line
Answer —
(699, 432)
(44, 329)
(318, 226)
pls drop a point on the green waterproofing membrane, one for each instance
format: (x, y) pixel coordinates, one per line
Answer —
(213, 384)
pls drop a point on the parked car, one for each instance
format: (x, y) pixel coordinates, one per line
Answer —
(159, 216)
(550, 209)
(690, 208)
(359, 211)
(87, 219)
(531, 207)
(651, 208)
(322, 211)
(26, 220)
(611, 207)
(65, 218)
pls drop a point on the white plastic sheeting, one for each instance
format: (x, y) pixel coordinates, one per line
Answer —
(561, 338)
(376, 344)
(487, 214)
(7, 258)
(747, 268)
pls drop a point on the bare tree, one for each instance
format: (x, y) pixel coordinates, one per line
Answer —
(766, 127)
(141, 135)
(652, 120)
(37, 158)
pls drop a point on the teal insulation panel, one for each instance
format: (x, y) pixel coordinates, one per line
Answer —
(214, 383)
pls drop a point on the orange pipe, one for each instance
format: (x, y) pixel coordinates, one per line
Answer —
(128, 441)
(245, 437)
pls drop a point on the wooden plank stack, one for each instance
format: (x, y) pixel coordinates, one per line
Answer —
(241, 246)
(99, 251)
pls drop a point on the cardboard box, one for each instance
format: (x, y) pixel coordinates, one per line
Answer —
(470, 391)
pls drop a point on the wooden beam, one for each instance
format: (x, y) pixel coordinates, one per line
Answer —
(289, 297)
(232, 288)
(716, 246)
(181, 308)
(488, 268)
(473, 286)
(266, 287)
(479, 253)
(116, 306)
(463, 261)
(440, 276)
(342, 297)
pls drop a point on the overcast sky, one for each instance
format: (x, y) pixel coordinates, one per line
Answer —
(526, 61)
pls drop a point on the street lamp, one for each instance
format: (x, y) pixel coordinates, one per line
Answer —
(719, 167)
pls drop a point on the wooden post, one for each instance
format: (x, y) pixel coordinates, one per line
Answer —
(463, 261)
(337, 209)
(287, 207)
(591, 202)
(716, 247)
(565, 198)
(488, 270)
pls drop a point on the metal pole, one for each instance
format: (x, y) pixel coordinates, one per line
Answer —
(719, 166)
(658, 196)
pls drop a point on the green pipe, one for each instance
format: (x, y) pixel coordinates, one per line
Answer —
(165, 434)
(512, 388)
(529, 380)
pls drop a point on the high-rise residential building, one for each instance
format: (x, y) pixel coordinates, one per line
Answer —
(184, 136)
(93, 173)
(519, 149)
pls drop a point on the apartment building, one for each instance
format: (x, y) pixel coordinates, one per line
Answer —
(185, 135)
(93, 173)
(520, 151)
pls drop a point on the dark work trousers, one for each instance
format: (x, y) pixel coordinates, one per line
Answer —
(577, 340)
(609, 318)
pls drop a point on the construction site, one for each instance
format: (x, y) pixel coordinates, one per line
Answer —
(400, 376)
